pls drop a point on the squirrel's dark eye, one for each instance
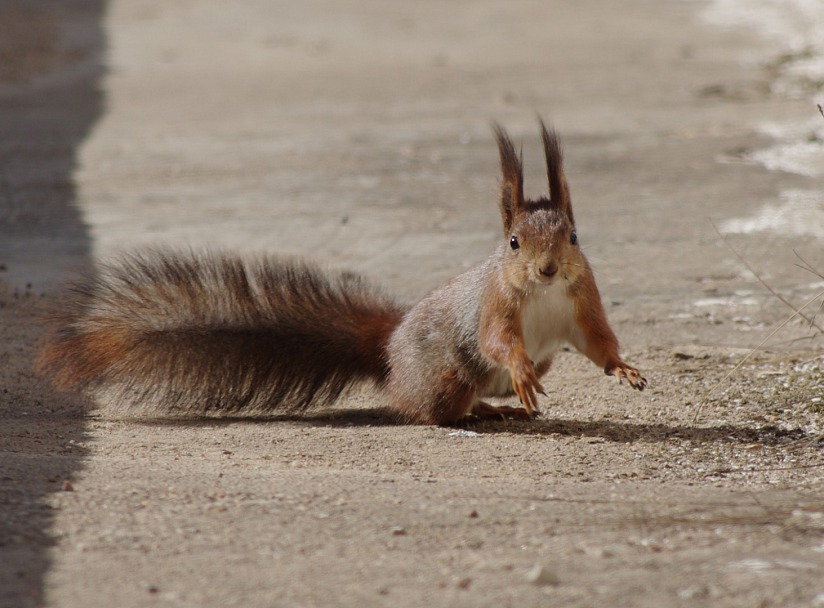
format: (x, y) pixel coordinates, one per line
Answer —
(573, 238)
(513, 242)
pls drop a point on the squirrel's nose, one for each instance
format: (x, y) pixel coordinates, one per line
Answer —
(550, 270)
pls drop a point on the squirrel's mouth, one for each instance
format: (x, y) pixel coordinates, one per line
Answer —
(548, 273)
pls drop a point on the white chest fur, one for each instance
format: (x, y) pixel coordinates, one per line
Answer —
(548, 321)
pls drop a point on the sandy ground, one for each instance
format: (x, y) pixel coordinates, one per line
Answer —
(358, 134)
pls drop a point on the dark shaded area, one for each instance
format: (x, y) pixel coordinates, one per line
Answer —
(621, 432)
(51, 58)
(50, 68)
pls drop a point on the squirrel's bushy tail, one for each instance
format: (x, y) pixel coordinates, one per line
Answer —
(219, 334)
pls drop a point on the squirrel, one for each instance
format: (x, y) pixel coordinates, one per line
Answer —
(211, 333)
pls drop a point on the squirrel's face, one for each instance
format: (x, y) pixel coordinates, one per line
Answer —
(543, 249)
(542, 244)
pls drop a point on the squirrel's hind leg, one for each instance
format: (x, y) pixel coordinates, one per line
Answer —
(451, 403)
(444, 402)
(543, 366)
(484, 411)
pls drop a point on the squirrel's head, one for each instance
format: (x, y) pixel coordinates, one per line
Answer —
(541, 242)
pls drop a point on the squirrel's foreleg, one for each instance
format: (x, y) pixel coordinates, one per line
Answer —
(502, 341)
(599, 343)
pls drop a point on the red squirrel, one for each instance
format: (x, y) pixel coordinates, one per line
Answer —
(220, 334)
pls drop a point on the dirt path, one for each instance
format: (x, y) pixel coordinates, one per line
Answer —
(360, 134)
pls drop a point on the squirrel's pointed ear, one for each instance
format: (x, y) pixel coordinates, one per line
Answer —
(558, 188)
(512, 188)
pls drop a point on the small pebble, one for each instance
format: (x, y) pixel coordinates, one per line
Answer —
(693, 592)
(464, 433)
(540, 575)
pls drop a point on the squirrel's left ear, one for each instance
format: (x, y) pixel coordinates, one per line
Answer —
(512, 188)
(558, 188)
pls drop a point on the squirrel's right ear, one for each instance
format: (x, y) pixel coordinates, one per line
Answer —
(558, 188)
(512, 188)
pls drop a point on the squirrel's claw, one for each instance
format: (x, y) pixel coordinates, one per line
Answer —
(526, 385)
(632, 376)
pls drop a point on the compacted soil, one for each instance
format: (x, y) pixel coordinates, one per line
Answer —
(359, 134)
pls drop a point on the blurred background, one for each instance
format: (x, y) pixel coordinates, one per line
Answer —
(358, 132)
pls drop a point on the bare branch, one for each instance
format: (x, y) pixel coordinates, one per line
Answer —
(760, 280)
(807, 266)
(796, 313)
(750, 354)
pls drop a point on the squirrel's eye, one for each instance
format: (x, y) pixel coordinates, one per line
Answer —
(573, 238)
(513, 242)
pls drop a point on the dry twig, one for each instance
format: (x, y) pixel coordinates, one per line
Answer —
(783, 300)
(796, 312)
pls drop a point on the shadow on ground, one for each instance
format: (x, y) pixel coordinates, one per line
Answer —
(621, 432)
(50, 97)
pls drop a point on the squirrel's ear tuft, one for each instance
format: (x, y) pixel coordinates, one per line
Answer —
(512, 188)
(558, 188)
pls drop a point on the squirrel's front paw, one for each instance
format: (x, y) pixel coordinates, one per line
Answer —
(633, 376)
(526, 385)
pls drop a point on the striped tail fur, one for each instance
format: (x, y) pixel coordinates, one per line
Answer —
(219, 334)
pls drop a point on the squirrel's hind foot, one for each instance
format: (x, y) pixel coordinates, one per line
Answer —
(484, 411)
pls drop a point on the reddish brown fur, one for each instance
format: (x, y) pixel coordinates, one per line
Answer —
(602, 345)
(220, 334)
(512, 188)
(452, 346)
(542, 367)
(199, 333)
(79, 360)
(501, 340)
(558, 188)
